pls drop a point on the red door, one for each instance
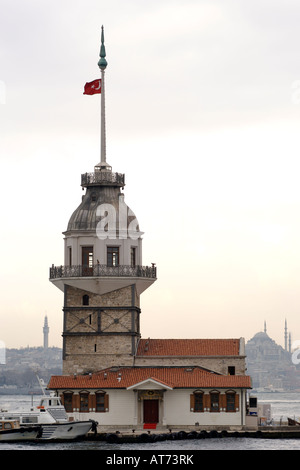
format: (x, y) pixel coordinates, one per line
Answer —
(150, 411)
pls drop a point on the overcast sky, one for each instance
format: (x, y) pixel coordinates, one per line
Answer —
(202, 110)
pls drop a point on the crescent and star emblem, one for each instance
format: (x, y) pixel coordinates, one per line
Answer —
(99, 85)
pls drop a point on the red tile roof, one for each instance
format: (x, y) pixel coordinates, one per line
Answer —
(174, 377)
(188, 347)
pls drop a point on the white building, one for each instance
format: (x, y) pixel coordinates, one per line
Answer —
(156, 398)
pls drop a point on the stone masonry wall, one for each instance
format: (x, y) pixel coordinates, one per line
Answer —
(98, 336)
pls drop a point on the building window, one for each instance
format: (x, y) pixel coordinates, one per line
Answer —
(231, 370)
(198, 403)
(253, 402)
(87, 256)
(84, 402)
(100, 402)
(70, 255)
(230, 401)
(214, 401)
(87, 260)
(68, 402)
(133, 256)
(112, 256)
(85, 300)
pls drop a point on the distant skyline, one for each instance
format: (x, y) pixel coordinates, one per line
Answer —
(258, 331)
(202, 111)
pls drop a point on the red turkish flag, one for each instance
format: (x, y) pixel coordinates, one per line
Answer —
(93, 87)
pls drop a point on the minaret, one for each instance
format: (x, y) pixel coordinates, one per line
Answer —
(46, 333)
(285, 336)
(102, 276)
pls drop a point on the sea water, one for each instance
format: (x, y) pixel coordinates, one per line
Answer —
(283, 405)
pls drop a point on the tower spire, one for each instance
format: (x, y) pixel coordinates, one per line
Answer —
(102, 64)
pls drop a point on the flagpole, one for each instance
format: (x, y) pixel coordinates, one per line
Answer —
(102, 116)
(102, 65)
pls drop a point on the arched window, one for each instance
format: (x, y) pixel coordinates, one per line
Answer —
(85, 300)
(68, 401)
(230, 401)
(84, 402)
(214, 401)
(101, 401)
(196, 401)
(198, 406)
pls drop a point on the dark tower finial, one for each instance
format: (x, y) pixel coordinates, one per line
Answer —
(102, 62)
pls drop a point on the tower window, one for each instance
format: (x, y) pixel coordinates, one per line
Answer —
(70, 256)
(112, 256)
(133, 256)
(87, 256)
(87, 260)
(85, 300)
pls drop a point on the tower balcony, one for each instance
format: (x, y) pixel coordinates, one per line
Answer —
(105, 178)
(100, 278)
(102, 270)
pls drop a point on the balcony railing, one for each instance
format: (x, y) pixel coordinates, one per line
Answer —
(102, 270)
(105, 177)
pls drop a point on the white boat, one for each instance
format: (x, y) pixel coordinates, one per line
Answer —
(11, 431)
(51, 416)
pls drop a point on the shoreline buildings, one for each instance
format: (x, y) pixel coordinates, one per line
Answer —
(109, 371)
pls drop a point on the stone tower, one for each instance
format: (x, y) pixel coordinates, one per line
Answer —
(102, 276)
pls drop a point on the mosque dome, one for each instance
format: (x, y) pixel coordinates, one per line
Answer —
(261, 335)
